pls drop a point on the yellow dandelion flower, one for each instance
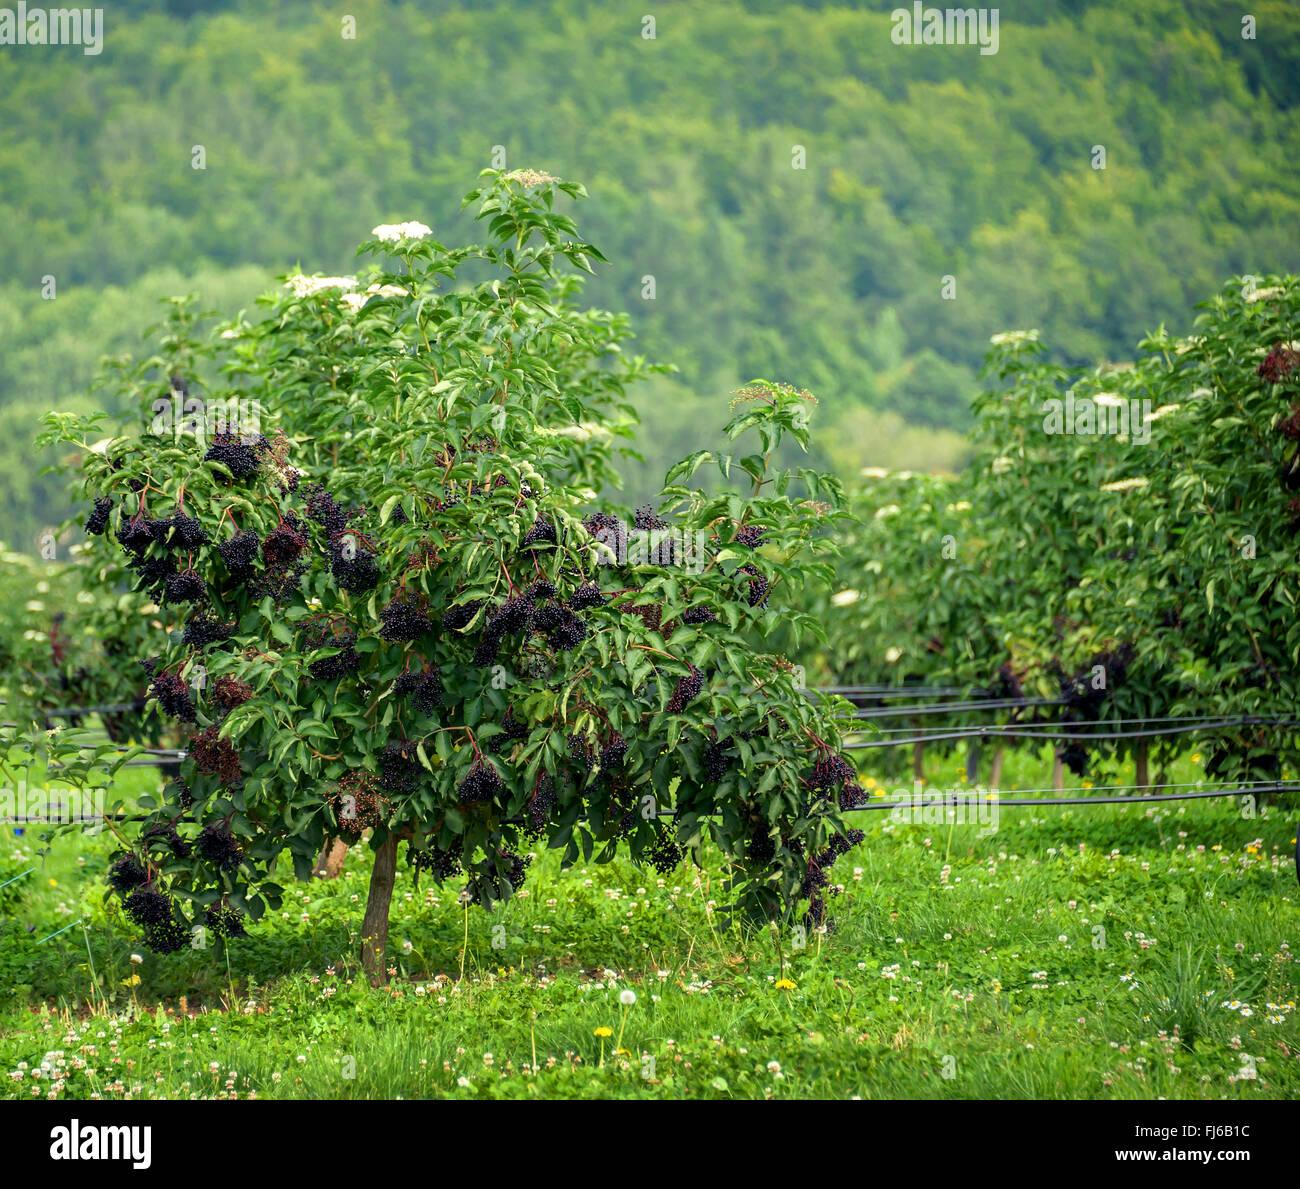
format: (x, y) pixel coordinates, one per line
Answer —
(602, 1032)
(784, 984)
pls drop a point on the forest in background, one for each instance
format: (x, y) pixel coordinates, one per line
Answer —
(921, 162)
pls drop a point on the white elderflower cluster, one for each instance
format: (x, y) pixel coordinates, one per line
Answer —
(1126, 484)
(396, 233)
(305, 286)
(1013, 338)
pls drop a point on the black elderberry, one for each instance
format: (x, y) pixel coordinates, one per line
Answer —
(240, 552)
(153, 572)
(614, 753)
(283, 545)
(127, 873)
(173, 696)
(356, 574)
(166, 937)
(145, 907)
(830, 772)
(549, 617)
(225, 921)
(542, 532)
(134, 535)
(853, 796)
(686, 691)
(230, 692)
(456, 619)
(665, 855)
(186, 532)
(216, 756)
(185, 587)
(481, 784)
(647, 519)
(400, 770)
(751, 535)
(166, 835)
(568, 633)
(427, 688)
(203, 628)
(402, 622)
(512, 730)
(442, 864)
(717, 760)
(542, 590)
(322, 508)
(342, 663)
(758, 586)
(240, 457)
(219, 847)
(699, 615)
(514, 615)
(587, 595)
(540, 807)
(97, 521)
(761, 849)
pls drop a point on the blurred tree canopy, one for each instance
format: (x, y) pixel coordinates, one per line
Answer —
(921, 163)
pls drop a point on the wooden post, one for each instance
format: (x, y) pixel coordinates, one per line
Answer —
(374, 928)
(918, 756)
(995, 772)
(972, 762)
(1058, 772)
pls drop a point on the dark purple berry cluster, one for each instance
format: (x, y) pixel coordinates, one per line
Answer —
(225, 921)
(283, 545)
(97, 521)
(127, 873)
(540, 807)
(240, 553)
(173, 696)
(613, 754)
(179, 531)
(542, 533)
(403, 621)
(219, 847)
(718, 759)
(185, 587)
(751, 536)
(699, 614)
(541, 590)
(216, 756)
(587, 595)
(426, 687)
(758, 585)
(146, 906)
(342, 664)
(400, 771)
(512, 730)
(665, 856)
(482, 783)
(229, 692)
(686, 691)
(830, 772)
(356, 574)
(322, 508)
(457, 619)
(647, 519)
(442, 864)
(241, 456)
(165, 835)
(203, 628)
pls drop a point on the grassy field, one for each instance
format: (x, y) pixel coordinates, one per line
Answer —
(1107, 951)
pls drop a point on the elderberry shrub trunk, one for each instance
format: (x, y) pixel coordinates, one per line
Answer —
(400, 613)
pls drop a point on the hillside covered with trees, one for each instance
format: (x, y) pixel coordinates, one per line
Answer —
(919, 163)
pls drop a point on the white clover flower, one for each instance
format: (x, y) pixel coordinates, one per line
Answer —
(893, 654)
(34, 605)
(395, 233)
(843, 598)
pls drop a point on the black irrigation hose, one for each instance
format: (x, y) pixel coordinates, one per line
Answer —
(968, 799)
(998, 732)
(955, 707)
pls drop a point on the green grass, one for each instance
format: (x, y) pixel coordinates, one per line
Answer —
(1074, 953)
